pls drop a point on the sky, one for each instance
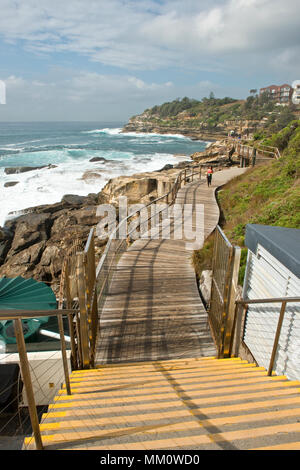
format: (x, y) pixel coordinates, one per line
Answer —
(106, 60)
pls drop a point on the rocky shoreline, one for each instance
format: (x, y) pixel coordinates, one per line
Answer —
(144, 127)
(33, 244)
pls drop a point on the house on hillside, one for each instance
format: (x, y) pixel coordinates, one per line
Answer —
(281, 94)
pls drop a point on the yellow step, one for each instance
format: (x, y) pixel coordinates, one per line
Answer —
(175, 374)
(204, 383)
(161, 366)
(206, 398)
(195, 388)
(93, 421)
(202, 439)
(161, 406)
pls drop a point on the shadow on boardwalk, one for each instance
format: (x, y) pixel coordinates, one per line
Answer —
(154, 310)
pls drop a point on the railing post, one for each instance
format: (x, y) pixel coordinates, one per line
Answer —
(276, 340)
(77, 327)
(240, 312)
(84, 334)
(233, 282)
(92, 308)
(227, 281)
(24, 364)
(70, 316)
(64, 353)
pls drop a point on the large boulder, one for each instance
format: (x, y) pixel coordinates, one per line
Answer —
(24, 169)
(30, 229)
(98, 159)
(134, 188)
(86, 216)
(10, 184)
(73, 199)
(51, 261)
(50, 253)
(5, 243)
(24, 262)
(90, 176)
(168, 166)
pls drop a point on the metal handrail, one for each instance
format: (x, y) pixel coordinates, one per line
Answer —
(178, 179)
(172, 191)
(14, 314)
(268, 300)
(276, 150)
(260, 147)
(283, 301)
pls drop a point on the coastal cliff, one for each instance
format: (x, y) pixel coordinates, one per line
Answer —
(213, 118)
(144, 123)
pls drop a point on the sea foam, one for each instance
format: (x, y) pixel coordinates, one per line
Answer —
(49, 185)
(69, 148)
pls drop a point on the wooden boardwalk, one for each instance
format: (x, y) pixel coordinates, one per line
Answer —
(154, 310)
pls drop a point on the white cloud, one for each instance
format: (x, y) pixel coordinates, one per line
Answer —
(80, 95)
(73, 95)
(144, 34)
(226, 39)
(141, 85)
(14, 82)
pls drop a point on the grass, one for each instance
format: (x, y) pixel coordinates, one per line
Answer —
(202, 258)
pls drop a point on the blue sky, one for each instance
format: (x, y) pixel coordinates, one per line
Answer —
(106, 60)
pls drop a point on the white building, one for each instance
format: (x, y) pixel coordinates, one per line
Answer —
(296, 92)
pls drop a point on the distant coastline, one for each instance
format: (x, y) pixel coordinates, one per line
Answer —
(150, 128)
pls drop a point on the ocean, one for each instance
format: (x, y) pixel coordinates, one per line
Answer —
(68, 147)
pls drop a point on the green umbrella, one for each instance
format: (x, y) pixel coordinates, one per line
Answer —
(24, 294)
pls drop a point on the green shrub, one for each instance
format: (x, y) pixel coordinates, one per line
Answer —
(243, 263)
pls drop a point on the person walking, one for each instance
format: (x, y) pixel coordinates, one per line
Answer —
(209, 174)
(254, 156)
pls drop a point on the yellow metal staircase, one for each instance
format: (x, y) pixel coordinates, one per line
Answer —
(204, 403)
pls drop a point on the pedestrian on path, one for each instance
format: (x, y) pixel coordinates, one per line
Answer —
(209, 174)
(254, 156)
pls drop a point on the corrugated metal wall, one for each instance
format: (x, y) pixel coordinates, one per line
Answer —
(266, 277)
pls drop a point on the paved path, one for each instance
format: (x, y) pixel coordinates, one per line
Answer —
(153, 310)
